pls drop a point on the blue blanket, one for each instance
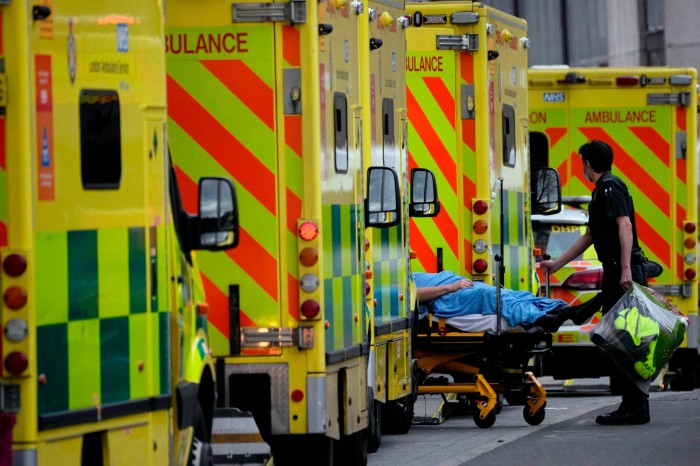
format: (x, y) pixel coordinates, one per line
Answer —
(518, 307)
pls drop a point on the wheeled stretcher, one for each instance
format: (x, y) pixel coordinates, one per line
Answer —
(485, 358)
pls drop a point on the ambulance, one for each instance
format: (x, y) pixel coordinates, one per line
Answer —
(104, 351)
(277, 96)
(648, 116)
(388, 255)
(466, 79)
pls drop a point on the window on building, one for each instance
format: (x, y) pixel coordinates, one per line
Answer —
(100, 139)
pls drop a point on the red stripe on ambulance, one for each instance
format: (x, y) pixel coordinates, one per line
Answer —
(259, 264)
(442, 96)
(433, 143)
(555, 135)
(247, 86)
(233, 156)
(425, 255)
(635, 172)
(290, 49)
(653, 241)
(656, 143)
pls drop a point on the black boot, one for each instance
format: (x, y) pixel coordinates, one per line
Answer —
(551, 321)
(626, 414)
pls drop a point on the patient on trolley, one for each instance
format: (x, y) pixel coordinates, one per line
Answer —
(448, 295)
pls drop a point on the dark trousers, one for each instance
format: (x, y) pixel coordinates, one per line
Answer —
(632, 397)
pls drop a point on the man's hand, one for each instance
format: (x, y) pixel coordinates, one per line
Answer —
(626, 278)
(456, 286)
(550, 266)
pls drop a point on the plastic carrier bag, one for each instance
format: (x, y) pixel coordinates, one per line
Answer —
(640, 333)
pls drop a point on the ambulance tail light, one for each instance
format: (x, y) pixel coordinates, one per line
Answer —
(310, 309)
(14, 345)
(480, 238)
(585, 280)
(627, 80)
(480, 266)
(309, 272)
(16, 362)
(14, 265)
(480, 207)
(308, 231)
(689, 250)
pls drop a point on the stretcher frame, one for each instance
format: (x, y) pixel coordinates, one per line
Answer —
(483, 366)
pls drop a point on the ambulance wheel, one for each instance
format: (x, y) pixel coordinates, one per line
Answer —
(200, 450)
(486, 422)
(537, 418)
(351, 450)
(316, 450)
(375, 423)
(397, 416)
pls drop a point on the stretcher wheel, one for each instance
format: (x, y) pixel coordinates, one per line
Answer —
(486, 422)
(535, 419)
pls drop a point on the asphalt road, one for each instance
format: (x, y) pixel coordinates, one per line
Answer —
(568, 435)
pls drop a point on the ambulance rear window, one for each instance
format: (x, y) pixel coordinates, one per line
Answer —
(508, 136)
(340, 121)
(100, 139)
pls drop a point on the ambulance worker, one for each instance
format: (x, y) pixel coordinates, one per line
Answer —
(612, 231)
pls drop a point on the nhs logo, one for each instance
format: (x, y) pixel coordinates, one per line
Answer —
(554, 97)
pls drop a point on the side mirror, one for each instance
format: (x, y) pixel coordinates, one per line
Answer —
(382, 205)
(424, 198)
(218, 214)
(546, 192)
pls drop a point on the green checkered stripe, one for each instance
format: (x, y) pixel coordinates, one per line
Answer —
(389, 273)
(96, 315)
(516, 233)
(343, 282)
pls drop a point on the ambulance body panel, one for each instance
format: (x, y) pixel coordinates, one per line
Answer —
(280, 111)
(388, 254)
(649, 118)
(107, 335)
(466, 78)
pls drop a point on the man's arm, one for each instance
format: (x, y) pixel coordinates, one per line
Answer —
(567, 256)
(624, 231)
(429, 293)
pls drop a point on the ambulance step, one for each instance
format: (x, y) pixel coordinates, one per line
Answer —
(235, 439)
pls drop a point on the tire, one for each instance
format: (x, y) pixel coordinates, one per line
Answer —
(201, 453)
(398, 416)
(351, 450)
(537, 418)
(486, 422)
(683, 382)
(316, 450)
(375, 425)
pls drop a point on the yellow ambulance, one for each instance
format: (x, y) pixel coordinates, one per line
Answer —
(104, 351)
(648, 115)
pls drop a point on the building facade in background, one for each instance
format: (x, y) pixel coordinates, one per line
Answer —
(610, 32)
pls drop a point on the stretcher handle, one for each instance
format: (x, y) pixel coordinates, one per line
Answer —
(546, 257)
